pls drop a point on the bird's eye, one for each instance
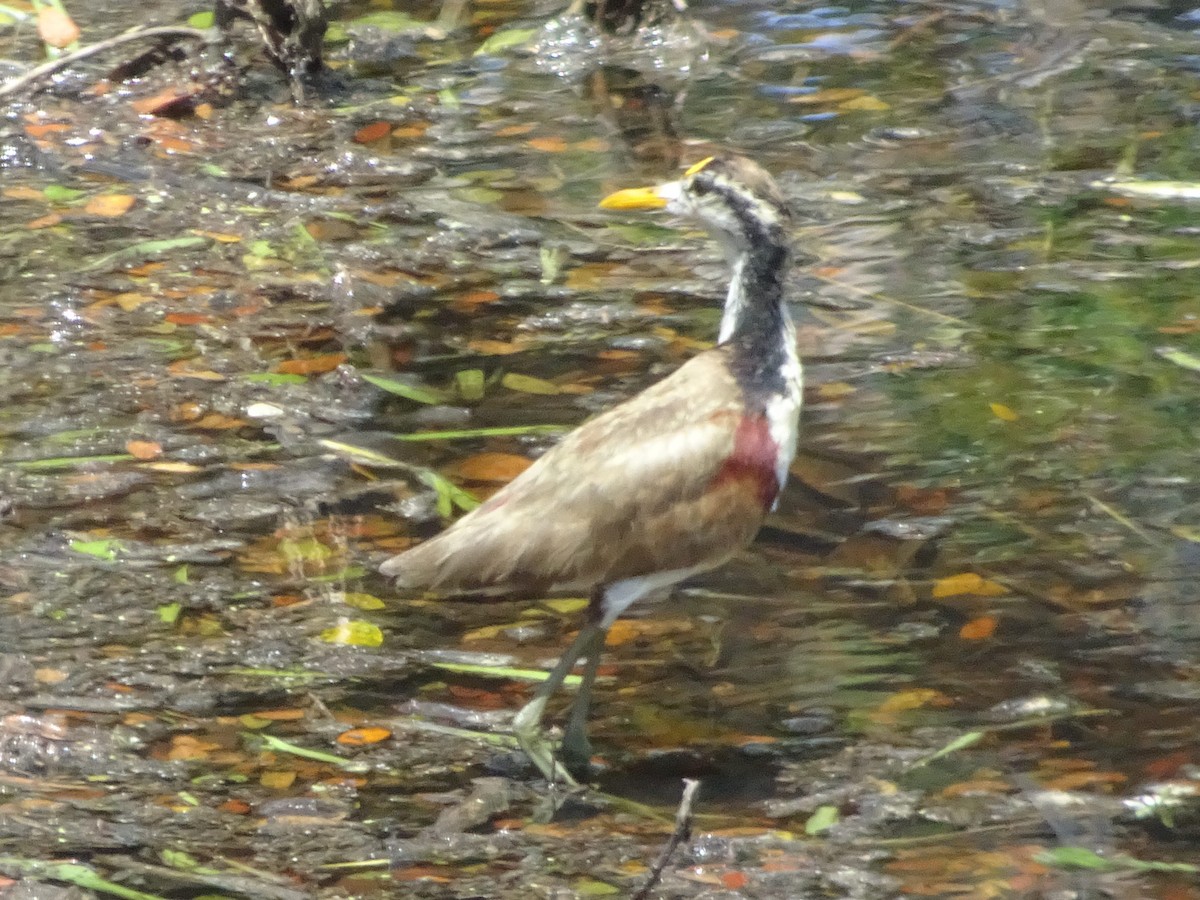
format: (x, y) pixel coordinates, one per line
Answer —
(700, 188)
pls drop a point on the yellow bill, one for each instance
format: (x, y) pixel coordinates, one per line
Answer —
(635, 198)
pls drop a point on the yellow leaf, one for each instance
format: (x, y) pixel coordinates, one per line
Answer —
(1007, 413)
(362, 601)
(869, 104)
(967, 583)
(914, 699)
(277, 780)
(566, 605)
(834, 390)
(357, 634)
(829, 95)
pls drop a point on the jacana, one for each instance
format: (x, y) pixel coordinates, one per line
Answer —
(670, 483)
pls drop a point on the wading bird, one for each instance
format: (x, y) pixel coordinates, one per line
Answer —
(670, 483)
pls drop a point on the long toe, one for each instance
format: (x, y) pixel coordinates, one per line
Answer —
(527, 729)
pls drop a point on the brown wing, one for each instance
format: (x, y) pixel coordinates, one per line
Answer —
(627, 493)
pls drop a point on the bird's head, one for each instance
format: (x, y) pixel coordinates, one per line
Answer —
(733, 196)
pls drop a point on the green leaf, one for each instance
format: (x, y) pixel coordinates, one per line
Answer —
(354, 633)
(527, 384)
(551, 259)
(71, 873)
(407, 391)
(470, 384)
(503, 672)
(68, 462)
(823, 818)
(505, 40)
(283, 746)
(104, 549)
(274, 378)
(56, 193)
(144, 249)
(306, 549)
(341, 575)
(449, 494)
(181, 575)
(1074, 858)
(1180, 358)
(168, 613)
(202, 20)
(179, 859)
(589, 887)
(959, 743)
(468, 433)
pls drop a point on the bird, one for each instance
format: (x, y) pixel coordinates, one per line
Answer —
(668, 484)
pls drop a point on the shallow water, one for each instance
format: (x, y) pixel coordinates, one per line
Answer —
(968, 635)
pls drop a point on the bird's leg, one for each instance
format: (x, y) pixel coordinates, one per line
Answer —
(576, 749)
(527, 724)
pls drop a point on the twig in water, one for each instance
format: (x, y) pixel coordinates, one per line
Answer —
(683, 830)
(22, 81)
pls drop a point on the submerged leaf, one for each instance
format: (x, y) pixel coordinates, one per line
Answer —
(354, 633)
(527, 384)
(105, 549)
(505, 40)
(823, 818)
(412, 392)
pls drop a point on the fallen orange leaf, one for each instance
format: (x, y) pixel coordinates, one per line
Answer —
(548, 144)
(187, 318)
(495, 348)
(218, 422)
(358, 737)
(41, 129)
(372, 132)
(979, 629)
(475, 298)
(311, 365)
(410, 131)
(497, 467)
(22, 193)
(735, 881)
(44, 222)
(967, 583)
(143, 449)
(110, 205)
(167, 102)
(290, 714)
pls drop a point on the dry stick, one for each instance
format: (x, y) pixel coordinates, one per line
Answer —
(22, 81)
(683, 830)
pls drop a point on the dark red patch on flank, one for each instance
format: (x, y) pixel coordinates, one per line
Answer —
(753, 459)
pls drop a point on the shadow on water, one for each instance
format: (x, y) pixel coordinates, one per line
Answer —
(959, 661)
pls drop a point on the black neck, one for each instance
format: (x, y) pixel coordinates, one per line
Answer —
(756, 326)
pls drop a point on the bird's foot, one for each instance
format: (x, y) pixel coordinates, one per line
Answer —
(527, 728)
